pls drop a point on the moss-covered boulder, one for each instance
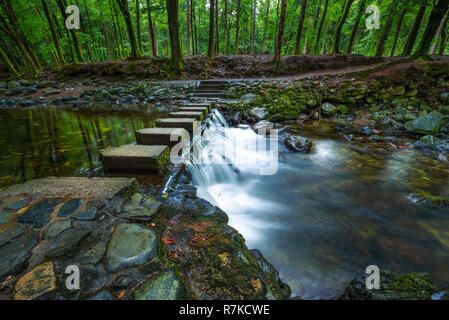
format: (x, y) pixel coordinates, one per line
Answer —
(429, 123)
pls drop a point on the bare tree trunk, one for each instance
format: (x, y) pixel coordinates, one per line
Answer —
(386, 30)
(108, 50)
(123, 5)
(265, 27)
(227, 26)
(356, 26)
(237, 28)
(277, 51)
(151, 30)
(320, 28)
(217, 38)
(139, 33)
(437, 37)
(210, 50)
(443, 39)
(300, 25)
(414, 32)
(188, 28)
(398, 30)
(253, 36)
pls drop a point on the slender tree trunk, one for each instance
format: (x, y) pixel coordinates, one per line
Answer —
(188, 28)
(414, 32)
(336, 44)
(54, 36)
(106, 40)
(138, 29)
(300, 25)
(253, 35)
(435, 18)
(151, 30)
(356, 26)
(237, 28)
(386, 30)
(217, 34)
(398, 30)
(439, 32)
(277, 50)
(265, 27)
(62, 6)
(210, 50)
(117, 43)
(443, 39)
(176, 61)
(192, 27)
(226, 26)
(12, 71)
(320, 28)
(123, 5)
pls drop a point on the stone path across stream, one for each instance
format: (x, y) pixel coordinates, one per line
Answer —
(151, 153)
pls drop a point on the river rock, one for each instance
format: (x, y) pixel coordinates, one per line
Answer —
(165, 287)
(298, 144)
(263, 125)
(56, 228)
(258, 113)
(328, 109)
(399, 91)
(131, 245)
(69, 207)
(251, 98)
(18, 204)
(66, 241)
(444, 96)
(93, 255)
(5, 216)
(86, 215)
(429, 123)
(102, 295)
(13, 84)
(38, 215)
(37, 282)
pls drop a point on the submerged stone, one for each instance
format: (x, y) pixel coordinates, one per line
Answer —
(298, 144)
(37, 282)
(131, 245)
(165, 287)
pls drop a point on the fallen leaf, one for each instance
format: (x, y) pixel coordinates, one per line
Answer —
(168, 240)
(112, 230)
(121, 294)
(153, 224)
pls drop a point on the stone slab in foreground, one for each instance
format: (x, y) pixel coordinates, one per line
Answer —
(135, 158)
(185, 123)
(71, 187)
(160, 136)
(198, 115)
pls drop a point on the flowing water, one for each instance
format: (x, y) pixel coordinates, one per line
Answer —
(323, 217)
(36, 143)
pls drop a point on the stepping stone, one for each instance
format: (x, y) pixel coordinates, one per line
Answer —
(135, 158)
(69, 207)
(198, 115)
(200, 105)
(209, 94)
(223, 82)
(56, 228)
(205, 110)
(159, 136)
(185, 123)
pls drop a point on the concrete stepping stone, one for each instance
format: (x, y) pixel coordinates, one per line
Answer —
(205, 110)
(198, 115)
(185, 123)
(209, 94)
(199, 105)
(158, 136)
(135, 158)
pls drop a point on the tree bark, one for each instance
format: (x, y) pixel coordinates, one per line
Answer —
(336, 45)
(210, 50)
(79, 55)
(386, 30)
(439, 32)
(320, 28)
(237, 28)
(277, 51)
(227, 26)
(356, 26)
(106, 40)
(414, 32)
(123, 5)
(188, 28)
(265, 27)
(217, 34)
(398, 30)
(54, 35)
(176, 61)
(151, 30)
(139, 32)
(300, 25)
(443, 38)
(12, 71)
(253, 35)
(435, 18)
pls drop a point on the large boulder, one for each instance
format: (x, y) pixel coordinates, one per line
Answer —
(131, 245)
(251, 98)
(429, 123)
(258, 113)
(328, 109)
(298, 144)
(165, 287)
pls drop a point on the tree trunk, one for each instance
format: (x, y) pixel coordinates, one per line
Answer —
(439, 32)
(188, 28)
(414, 32)
(435, 18)
(226, 26)
(12, 71)
(336, 45)
(210, 50)
(443, 39)
(300, 25)
(217, 38)
(253, 35)
(62, 6)
(54, 36)
(106, 40)
(237, 28)
(139, 33)
(265, 27)
(176, 61)
(386, 30)
(398, 30)
(356, 26)
(123, 5)
(117, 29)
(320, 28)
(151, 31)
(277, 50)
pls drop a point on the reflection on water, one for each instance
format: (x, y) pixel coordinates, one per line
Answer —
(325, 216)
(44, 142)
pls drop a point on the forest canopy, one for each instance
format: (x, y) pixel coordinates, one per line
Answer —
(34, 32)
